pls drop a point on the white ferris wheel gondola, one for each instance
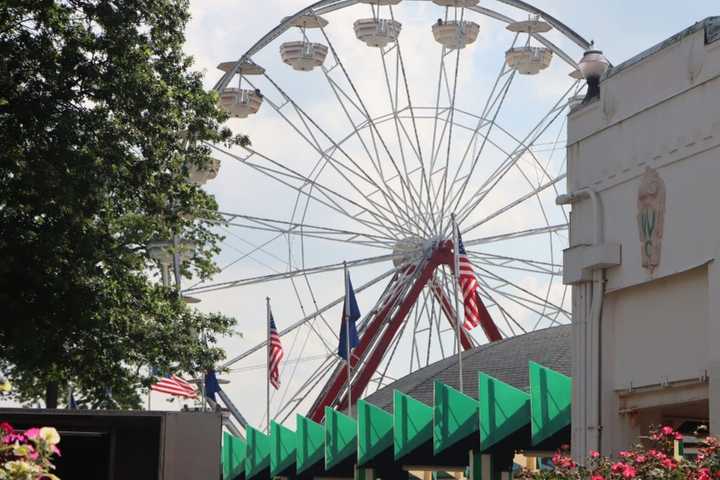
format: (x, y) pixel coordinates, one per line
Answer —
(303, 56)
(457, 3)
(528, 60)
(241, 102)
(454, 34)
(380, 2)
(377, 32)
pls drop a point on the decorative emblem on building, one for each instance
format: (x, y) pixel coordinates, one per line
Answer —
(651, 217)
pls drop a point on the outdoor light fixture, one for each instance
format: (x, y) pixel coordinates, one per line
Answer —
(593, 65)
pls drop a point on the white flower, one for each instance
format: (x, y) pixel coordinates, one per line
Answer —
(50, 435)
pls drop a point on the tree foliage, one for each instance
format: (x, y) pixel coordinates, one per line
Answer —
(100, 117)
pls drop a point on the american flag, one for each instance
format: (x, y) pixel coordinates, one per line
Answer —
(175, 385)
(475, 311)
(275, 354)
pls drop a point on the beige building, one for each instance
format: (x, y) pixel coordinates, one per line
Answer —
(644, 260)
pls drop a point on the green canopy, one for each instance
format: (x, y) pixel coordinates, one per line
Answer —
(233, 456)
(550, 402)
(340, 437)
(375, 431)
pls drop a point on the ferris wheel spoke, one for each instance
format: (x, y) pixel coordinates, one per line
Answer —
(515, 263)
(306, 389)
(516, 202)
(407, 191)
(309, 317)
(394, 103)
(295, 228)
(507, 317)
(514, 299)
(486, 187)
(406, 86)
(380, 225)
(493, 105)
(356, 129)
(491, 100)
(339, 167)
(554, 229)
(534, 298)
(294, 273)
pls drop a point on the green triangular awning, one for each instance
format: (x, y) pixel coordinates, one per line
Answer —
(258, 453)
(455, 417)
(282, 451)
(412, 424)
(233, 456)
(340, 437)
(310, 443)
(504, 410)
(550, 402)
(375, 431)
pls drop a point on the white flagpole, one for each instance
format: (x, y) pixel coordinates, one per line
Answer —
(267, 365)
(456, 269)
(346, 317)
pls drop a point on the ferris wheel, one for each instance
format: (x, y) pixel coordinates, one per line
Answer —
(373, 124)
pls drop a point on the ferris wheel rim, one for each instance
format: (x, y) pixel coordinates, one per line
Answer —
(325, 6)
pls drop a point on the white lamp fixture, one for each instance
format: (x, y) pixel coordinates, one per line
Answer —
(593, 66)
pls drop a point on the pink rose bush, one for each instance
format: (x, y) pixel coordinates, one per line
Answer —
(27, 455)
(654, 460)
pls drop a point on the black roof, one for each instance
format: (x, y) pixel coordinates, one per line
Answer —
(507, 360)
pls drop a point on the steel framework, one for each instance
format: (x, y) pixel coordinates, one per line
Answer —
(403, 172)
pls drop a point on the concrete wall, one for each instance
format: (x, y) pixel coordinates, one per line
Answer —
(658, 328)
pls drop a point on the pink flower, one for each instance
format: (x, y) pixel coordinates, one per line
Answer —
(667, 431)
(32, 433)
(629, 472)
(6, 427)
(595, 454)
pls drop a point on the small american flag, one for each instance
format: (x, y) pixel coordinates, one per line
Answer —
(175, 385)
(275, 354)
(475, 311)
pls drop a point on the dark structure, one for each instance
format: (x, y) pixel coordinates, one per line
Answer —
(507, 360)
(117, 445)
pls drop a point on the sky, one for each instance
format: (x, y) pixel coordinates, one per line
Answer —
(222, 30)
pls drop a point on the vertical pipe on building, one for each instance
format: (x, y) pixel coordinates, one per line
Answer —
(589, 340)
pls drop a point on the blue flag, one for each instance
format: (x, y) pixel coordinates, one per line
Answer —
(351, 313)
(211, 385)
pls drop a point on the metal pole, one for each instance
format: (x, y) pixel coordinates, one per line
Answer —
(267, 366)
(346, 317)
(456, 274)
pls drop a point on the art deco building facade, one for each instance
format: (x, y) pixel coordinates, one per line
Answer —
(644, 181)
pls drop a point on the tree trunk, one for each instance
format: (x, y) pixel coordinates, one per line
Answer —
(51, 395)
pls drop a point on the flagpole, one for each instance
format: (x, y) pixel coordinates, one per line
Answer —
(346, 315)
(456, 274)
(267, 365)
